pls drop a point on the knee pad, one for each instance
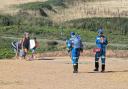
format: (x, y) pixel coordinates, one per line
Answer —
(103, 57)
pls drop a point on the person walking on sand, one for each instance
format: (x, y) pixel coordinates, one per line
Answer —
(101, 44)
(75, 45)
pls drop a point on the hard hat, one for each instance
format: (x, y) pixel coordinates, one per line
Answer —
(72, 33)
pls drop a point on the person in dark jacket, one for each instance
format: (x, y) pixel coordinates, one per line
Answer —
(25, 43)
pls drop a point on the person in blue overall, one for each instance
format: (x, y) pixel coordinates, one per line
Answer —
(75, 45)
(101, 43)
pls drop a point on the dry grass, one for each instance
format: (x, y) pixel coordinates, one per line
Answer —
(110, 8)
(105, 8)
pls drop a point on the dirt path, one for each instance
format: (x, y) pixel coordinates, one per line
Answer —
(56, 73)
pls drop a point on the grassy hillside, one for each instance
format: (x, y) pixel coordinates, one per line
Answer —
(115, 28)
(115, 25)
(65, 10)
(60, 17)
(38, 5)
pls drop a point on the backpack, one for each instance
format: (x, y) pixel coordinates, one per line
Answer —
(77, 43)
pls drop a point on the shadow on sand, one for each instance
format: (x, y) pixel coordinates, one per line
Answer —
(107, 71)
(45, 59)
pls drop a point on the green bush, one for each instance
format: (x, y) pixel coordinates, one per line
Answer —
(38, 5)
(5, 48)
(6, 20)
(115, 28)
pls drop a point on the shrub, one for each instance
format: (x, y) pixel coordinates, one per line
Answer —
(5, 48)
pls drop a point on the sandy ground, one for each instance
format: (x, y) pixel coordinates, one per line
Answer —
(56, 73)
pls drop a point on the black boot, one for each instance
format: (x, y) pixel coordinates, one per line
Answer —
(103, 68)
(75, 69)
(96, 66)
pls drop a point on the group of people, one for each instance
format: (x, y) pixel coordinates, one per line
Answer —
(75, 46)
(22, 46)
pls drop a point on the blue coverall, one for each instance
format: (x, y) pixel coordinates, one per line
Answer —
(101, 43)
(102, 47)
(74, 44)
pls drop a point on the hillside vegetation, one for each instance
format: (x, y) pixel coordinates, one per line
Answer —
(55, 19)
(115, 27)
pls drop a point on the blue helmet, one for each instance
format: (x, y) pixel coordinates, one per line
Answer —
(72, 33)
(100, 31)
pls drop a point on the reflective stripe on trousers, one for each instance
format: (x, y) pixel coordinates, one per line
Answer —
(101, 54)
